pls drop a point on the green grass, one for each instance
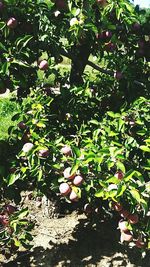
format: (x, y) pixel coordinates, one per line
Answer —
(7, 109)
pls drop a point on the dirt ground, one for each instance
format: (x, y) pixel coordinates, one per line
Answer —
(74, 241)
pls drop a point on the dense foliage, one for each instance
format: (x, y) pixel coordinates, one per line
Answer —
(84, 139)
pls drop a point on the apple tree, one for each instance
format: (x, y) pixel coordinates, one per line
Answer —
(84, 137)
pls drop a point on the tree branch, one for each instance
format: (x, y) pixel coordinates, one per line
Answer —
(94, 66)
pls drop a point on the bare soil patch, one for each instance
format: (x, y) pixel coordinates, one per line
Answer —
(72, 240)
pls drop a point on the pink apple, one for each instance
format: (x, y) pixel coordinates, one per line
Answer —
(133, 218)
(12, 23)
(27, 147)
(123, 226)
(67, 173)
(66, 150)
(78, 180)
(43, 65)
(126, 236)
(73, 196)
(44, 153)
(64, 189)
(108, 34)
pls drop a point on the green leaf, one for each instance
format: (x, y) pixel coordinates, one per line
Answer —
(118, 12)
(23, 213)
(128, 175)
(13, 178)
(40, 174)
(120, 166)
(23, 41)
(75, 167)
(145, 148)
(95, 122)
(121, 190)
(135, 194)
(99, 193)
(113, 180)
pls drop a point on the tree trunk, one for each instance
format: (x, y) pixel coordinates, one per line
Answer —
(80, 58)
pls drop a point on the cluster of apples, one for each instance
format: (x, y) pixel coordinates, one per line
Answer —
(73, 180)
(67, 188)
(127, 217)
(4, 216)
(44, 153)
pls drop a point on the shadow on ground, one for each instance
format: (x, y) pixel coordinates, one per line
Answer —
(91, 244)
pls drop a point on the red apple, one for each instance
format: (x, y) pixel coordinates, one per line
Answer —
(61, 4)
(123, 226)
(43, 65)
(27, 147)
(26, 137)
(102, 3)
(12, 169)
(73, 196)
(78, 180)
(117, 206)
(66, 150)
(108, 34)
(67, 173)
(64, 189)
(126, 236)
(110, 47)
(12, 23)
(4, 220)
(44, 153)
(136, 26)
(139, 243)
(119, 175)
(133, 218)
(124, 213)
(118, 75)
(10, 209)
(22, 125)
